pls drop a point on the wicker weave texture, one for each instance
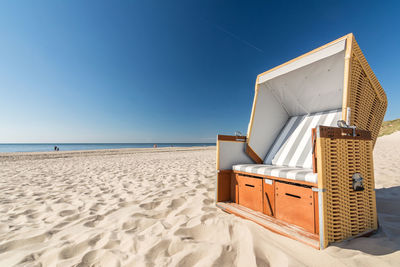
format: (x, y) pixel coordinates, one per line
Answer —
(367, 99)
(347, 213)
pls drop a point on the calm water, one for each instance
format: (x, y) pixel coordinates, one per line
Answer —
(91, 146)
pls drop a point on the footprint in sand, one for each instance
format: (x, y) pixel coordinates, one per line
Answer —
(176, 203)
(34, 215)
(112, 244)
(61, 225)
(127, 203)
(137, 225)
(93, 241)
(72, 218)
(99, 257)
(73, 250)
(192, 258)
(30, 258)
(94, 221)
(156, 250)
(208, 209)
(207, 217)
(129, 224)
(161, 215)
(14, 244)
(203, 232)
(150, 205)
(66, 213)
(190, 212)
(200, 186)
(208, 201)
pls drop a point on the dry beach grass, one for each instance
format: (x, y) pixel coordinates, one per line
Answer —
(155, 207)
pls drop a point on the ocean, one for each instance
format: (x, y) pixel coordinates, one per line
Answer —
(7, 148)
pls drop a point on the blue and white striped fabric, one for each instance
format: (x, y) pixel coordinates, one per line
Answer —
(290, 156)
(286, 132)
(296, 151)
(298, 174)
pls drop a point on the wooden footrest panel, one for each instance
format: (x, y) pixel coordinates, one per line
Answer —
(275, 225)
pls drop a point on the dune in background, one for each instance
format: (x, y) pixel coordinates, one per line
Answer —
(155, 207)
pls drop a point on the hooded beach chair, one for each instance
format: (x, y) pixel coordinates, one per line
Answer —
(305, 168)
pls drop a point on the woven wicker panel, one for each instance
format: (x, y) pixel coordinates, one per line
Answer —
(347, 213)
(367, 98)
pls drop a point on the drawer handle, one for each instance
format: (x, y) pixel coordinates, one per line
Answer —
(249, 185)
(291, 195)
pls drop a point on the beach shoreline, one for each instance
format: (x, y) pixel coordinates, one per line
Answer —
(94, 152)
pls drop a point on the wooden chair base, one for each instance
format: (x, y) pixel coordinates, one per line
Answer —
(273, 224)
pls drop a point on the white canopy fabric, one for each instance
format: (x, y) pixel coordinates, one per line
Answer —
(328, 51)
(309, 84)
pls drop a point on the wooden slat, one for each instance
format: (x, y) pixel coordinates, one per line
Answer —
(253, 155)
(231, 138)
(343, 133)
(274, 225)
(269, 198)
(234, 189)
(316, 213)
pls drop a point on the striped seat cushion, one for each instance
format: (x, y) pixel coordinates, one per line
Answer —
(292, 147)
(298, 174)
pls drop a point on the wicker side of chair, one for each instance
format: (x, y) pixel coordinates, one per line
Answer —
(345, 213)
(366, 98)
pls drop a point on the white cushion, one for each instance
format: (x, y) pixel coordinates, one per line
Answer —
(298, 174)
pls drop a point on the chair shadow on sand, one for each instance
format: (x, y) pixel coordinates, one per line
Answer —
(387, 238)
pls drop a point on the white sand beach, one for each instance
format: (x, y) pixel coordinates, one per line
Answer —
(155, 207)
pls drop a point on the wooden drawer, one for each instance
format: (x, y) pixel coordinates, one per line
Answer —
(269, 197)
(295, 204)
(250, 192)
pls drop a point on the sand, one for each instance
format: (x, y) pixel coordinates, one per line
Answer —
(155, 207)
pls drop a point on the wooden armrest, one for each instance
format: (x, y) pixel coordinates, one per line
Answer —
(335, 133)
(343, 133)
(231, 138)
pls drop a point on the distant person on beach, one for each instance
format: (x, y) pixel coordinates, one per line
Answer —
(155, 145)
(56, 148)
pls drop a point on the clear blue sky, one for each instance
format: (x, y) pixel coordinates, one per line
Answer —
(166, 71)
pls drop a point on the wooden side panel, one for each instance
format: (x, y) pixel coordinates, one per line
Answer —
(250, 193)
(314, 150)
(269, 197)
(234, 189)
(294, 204)
(316, 213)
(224, 185)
